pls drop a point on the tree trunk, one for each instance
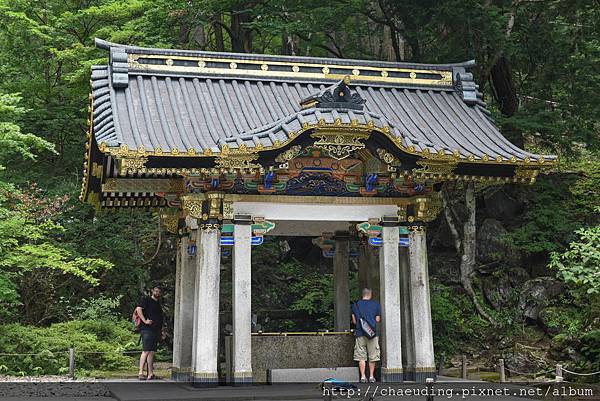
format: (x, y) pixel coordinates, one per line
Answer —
(469, 250)
(199, 36)
(241, 35)
(504, 87)
(466, 244)
(289, 45)
(219, 41)
(506, 94)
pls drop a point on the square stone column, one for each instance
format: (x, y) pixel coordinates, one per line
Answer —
(242, 304)
(185, 282)
(341, 286)
(389, 273)
(206, 309)
(421, 305)
(368, 268)
(408, 345)
(176, 366)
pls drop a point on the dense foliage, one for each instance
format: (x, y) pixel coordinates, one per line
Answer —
(98, 344)
(59, 260)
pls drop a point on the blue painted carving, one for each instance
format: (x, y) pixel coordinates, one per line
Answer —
(370, 182)
(269, 177)
(317, 184)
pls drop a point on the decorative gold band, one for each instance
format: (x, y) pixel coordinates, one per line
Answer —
(243, 374)
(206, 375)
(391, 370)
(427, 369)
(175, 369)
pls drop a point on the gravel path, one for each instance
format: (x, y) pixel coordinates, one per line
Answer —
(42, 379)
(51, 386)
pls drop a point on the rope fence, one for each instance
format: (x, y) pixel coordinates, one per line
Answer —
(536, 374)
(500, 366)
(559, 371)
(71, 355)
(67, 351)
(581, 374)
(34, 353)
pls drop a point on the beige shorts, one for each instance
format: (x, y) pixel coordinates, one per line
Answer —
(365, 346)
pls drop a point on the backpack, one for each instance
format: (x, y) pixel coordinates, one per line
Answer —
(136, 319)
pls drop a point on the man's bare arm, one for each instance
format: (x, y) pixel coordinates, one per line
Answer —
(353, 319)
(140, 313)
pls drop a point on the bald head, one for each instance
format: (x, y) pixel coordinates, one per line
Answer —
(367, 293)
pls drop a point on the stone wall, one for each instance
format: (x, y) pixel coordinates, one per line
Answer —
(295, 351)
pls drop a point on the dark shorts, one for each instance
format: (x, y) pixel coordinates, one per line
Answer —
(149, 340)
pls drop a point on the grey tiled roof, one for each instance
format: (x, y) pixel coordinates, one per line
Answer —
(182, 110)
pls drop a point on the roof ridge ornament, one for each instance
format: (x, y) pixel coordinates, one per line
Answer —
(119, 67)
(467, 88)
(336, 96)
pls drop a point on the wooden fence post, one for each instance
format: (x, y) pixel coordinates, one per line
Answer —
(71, 363)
(429, 382)
(464, 366)
(441, 367)
(502, 373)
(559, 374)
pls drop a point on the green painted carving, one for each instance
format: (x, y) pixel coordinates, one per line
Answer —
(260, 228)
(374, 230)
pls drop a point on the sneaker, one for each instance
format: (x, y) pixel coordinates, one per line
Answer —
(372, 380)
(363, 379)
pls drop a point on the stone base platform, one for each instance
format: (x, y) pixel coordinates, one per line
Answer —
(312, 375)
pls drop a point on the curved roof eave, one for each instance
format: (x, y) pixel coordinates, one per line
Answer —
(188, 115)
(106, 45)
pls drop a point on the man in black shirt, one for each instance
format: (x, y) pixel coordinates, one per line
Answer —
(149, 310)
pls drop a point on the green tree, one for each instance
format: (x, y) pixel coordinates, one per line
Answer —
(579, 264)
(31, 256)
(13, 142)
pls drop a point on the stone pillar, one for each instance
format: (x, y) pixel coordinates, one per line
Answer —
(185, 276)
(368, 268)
(242, 304)
(421, 305)
(408, 345)
(389, 273)
(206, 309)
(341, 303)
(176, 366)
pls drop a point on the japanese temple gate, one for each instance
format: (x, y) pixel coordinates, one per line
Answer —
(232, 147)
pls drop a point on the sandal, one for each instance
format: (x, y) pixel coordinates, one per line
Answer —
(141, 377)
(153, 377)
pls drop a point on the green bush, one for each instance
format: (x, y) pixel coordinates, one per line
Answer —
(98, 345)
(590, 348)
(101, 307)
(454, 321)
(565, 320)
(311, 292)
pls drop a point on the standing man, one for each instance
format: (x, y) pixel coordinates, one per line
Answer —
(366, 348)
(150, 311)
